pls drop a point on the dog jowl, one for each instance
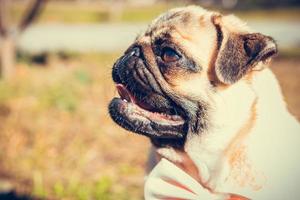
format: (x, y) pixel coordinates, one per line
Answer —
(144, 107)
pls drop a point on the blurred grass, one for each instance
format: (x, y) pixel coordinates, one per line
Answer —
(56, 135)
(57, 140)
(63, 12)
(92, 13)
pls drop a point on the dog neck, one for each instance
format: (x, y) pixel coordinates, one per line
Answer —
(239, 119)
(221, 148)
(227, 147)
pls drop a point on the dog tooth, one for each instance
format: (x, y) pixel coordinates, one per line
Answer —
(176, 117)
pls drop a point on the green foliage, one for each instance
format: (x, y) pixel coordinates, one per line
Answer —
(103, 188)
(5, 92)
(10, 90)
(81, 190)
(38, 185)
(59, 189)
(95, 13)
(67, 14)
(62, 96)
(74, 13)
(83, 76)
(144, 14)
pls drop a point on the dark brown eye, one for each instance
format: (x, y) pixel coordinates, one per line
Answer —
(169, 55)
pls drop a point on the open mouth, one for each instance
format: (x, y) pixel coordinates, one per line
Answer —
(142, 109)
(138, 116)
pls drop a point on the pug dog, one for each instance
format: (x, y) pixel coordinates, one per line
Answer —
(197, 83)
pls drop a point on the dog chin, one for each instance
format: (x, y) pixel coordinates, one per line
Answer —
(136, 116)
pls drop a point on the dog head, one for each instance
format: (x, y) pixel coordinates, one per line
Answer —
(172, 77)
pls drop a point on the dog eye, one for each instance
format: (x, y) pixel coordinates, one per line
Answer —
(169, 55)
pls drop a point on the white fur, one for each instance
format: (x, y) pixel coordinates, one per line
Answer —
(272, 144)
(269, 167)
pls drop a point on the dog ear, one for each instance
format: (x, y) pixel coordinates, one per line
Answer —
(240, 53)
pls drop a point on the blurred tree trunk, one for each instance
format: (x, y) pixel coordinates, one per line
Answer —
(7, 56)
(9, 33)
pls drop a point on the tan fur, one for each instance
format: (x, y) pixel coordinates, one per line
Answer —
(236, 154)
(244, 114)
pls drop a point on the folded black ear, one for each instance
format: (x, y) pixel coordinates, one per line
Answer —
(240, 53)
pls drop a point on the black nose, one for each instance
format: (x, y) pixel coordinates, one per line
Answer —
(136, 51)
(126, 62)
(115, 74)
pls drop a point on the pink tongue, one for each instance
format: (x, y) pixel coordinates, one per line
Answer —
(124, 93)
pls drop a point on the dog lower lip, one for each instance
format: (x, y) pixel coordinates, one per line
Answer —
(136, 119)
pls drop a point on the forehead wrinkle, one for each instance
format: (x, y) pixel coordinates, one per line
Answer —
(162, 32)
(171, 32)
(179, 17)
(180, 28)
(182, 15)
(170, 21)
(172, 15)
(181, 34)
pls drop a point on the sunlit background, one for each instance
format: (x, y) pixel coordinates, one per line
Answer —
(56, 138)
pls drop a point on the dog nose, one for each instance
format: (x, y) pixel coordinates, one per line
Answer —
(136, 51)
